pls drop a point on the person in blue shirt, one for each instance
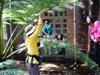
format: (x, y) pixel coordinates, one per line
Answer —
(47, 29)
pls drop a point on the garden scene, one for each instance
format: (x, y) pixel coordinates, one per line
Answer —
(49, 37)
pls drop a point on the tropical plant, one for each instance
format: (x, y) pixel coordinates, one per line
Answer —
(22, 13)
(13, 71)
(50, 47)
(53, 46)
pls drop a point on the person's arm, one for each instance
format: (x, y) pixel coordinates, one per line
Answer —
(51, 29)
(43, 30)
(92, 33)
(97, 30)
(45, 33)
(39, 27)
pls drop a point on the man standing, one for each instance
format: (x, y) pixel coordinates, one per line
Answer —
(31, 41)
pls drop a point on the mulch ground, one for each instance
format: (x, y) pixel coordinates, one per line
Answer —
(54, 68)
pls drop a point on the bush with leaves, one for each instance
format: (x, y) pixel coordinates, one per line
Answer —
(22, 12)
(51, 47)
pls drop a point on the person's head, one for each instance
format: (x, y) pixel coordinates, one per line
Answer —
(29, 30)
(90, 19)
(59, 36)
(35, 22)
(46, 22)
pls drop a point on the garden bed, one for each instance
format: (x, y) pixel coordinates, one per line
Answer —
(46, 68)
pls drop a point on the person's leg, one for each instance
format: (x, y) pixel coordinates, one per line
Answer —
(28, 68)
(98, 54)
(33, 69)
(95, 47)
(92, 50)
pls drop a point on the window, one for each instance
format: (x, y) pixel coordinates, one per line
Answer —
(64, 20)
(57, 25)
(50, 20)
(61, 13)
(45, 14)
(64, 31)
(58, 30)
(65, 13)
(50, 14)
(56, 13)
(57, 20)
(64, 25)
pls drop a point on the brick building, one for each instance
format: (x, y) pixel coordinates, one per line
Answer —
(81, 26)
(64, 22)
(58, 20)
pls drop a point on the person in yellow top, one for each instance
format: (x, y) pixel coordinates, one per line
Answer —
(32, 32)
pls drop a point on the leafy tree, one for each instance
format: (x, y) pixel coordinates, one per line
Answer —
(22, 12)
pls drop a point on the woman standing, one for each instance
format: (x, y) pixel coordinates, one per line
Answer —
(92, 31)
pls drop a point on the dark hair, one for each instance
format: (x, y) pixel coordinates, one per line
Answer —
(47, 21)
(60, 38)
(92, 18)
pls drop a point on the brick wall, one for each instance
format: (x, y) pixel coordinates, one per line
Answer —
(81, 29)
(70, 27)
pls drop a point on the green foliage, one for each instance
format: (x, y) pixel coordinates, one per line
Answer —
(7, 68)
(53, 46)
(20, 12)
(12, 71)
(23, 12)
(6, 64)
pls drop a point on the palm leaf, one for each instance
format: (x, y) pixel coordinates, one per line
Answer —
(8, 42)
(13, 40)
(29, 8)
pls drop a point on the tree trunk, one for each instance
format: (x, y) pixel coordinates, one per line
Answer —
(1, 29)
